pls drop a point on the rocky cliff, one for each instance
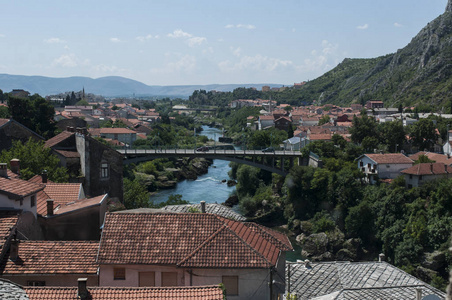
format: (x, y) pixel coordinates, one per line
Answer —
(418, 73)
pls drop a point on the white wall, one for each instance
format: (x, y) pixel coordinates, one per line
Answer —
(5, 202)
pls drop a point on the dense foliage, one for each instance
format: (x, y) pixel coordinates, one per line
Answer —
(34, 159)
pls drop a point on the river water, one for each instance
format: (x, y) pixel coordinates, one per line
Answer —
(208, 187)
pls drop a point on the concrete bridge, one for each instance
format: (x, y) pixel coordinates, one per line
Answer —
(275, 162)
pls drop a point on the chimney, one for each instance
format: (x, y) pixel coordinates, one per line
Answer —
(82, 291)
(381, 257)
(71, 129)
(50, 207)
(203, 207)
(14, 249)
(418, 294)
(307, 263)
(15, 165)
(44, 176)
(3, 170)
(68, 128)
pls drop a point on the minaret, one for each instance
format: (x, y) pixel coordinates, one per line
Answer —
(83, 94)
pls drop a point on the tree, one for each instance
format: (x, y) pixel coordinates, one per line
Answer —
(324, 120)
(39, 114)
(135, 194)
(423, 134)
(363, 127)
(4, 113)
(34, 158)
(392, 134)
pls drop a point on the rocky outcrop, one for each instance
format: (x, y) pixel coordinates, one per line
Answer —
(231, 201)
(449, 6)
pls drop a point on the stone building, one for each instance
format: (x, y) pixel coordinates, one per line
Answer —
(11, 130)
(99, 166)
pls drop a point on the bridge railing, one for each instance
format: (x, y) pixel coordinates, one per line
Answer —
(213, 151)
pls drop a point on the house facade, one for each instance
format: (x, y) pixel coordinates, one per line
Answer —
(383, 166)
(419, 174)
(190, 249)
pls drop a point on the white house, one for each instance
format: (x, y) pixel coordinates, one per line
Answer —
(17, 193)
(266, 121)
(192, 249)
(383, 166)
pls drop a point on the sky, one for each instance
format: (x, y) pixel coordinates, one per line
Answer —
(175, 42)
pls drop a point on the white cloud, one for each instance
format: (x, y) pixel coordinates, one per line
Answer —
(66, 61)
(362, 27)
(236, 51)
(2, 35)
(398, 24)
(115, 40)
(208, 50)
(191, 39)
(246, 26)
(196, 41)
(322, 60)
(144, 38)
(54, 41)
(178, 33)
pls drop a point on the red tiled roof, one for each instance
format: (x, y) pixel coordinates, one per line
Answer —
(266, 117)
(8, 219)
(195, 240)
(428, 169)
(390, 158)
(79, 204)
(68, 154)
(58, 139)
(212, 292)
(3, 122)
(320, 137)
(61, 193)
(433, 156)
(16, 188)
(116, 130)
(53, 257)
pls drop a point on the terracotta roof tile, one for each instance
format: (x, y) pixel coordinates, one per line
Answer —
(8, 220)
(53, 257)
(3, 122)
(428, 169)
(433, 156)
(68, 154)
(79, 204)
(16, 188)
(115, 130)
(390, 158)
(61, 193)
(193, 239)
(213, 292)
(58, 139)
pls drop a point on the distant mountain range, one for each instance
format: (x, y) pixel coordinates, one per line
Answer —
(113, 86)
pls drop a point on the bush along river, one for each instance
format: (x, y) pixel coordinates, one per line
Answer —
(210, 187)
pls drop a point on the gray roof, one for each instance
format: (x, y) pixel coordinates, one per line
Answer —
(10, 290)
(354, 280)
(211, 208)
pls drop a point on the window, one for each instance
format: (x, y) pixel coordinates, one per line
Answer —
(169, 279)
(147, 278)
(420, 177)
(33, 201)
(104, 170)
(36, 283)
(361, 163)
(411, 176)
(119, 273)
(231, 284)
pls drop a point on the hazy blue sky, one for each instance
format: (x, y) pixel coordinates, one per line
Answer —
(201, 42)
